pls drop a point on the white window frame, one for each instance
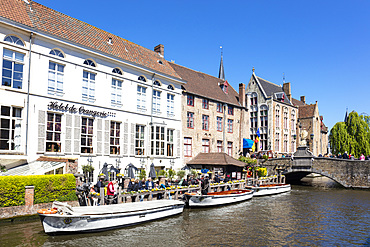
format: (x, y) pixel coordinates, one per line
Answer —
(16, 58)
(141, 98)
(157, 102)
(116, 93)
(12, 138)
(170, 105)
(55, 79)
(88, 86)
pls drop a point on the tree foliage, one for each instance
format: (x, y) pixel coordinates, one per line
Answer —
(352, 136)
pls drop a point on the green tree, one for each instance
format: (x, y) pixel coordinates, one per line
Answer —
(171, 174)
(142, 174)
(352, 136)
(181, 174)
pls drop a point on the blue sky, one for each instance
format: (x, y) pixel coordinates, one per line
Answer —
(323, 47)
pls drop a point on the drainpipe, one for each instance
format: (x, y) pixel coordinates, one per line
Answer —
(28, 92)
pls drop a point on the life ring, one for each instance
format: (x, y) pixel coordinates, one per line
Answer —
(249, 174)
(47, 211)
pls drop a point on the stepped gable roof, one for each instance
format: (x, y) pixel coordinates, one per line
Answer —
(297, 102)
(48, 21)
(273, 90)
(220, 159)
(206, 86)
(306, 111)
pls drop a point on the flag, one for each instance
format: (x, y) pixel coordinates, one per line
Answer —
(253, 147)
(258, 135)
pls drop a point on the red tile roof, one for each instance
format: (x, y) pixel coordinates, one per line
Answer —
(205, 85)
(46, 20)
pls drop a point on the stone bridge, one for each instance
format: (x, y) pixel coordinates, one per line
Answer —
(348, 173)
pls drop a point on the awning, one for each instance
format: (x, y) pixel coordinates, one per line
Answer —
(247, 143)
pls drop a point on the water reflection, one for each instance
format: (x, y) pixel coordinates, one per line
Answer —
(303, 217)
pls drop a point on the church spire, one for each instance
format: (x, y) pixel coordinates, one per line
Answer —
(221, 73)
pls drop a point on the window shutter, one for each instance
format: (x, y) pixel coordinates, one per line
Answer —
(132, 151)
(125, 138)
(41, 132)
(99, 137)
(77, 135)
(178, 143)
(106, 137)
(68, 139)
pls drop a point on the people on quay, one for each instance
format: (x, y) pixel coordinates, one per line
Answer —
(352, 157)
(149, 184)
(111, 191)
(345, 155)
(362, 157)
(131, 184)
(142, 183)
(99, 184)
(136, 186)
(339, 156)
(168, 183)
(217, 178)
(93, 199)
(204, 184)
(184, 182)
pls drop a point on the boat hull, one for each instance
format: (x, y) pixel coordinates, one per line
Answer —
(214, 199)
(89, 222)
(270, 190)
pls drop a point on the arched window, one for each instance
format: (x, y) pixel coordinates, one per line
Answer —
(157, 83)
(90, 62)
(142, 78)
(14, 40)
(117, 71)
(170, 87)
(57, 52)
(254, 99)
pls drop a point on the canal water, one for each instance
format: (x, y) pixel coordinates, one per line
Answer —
(306, 216)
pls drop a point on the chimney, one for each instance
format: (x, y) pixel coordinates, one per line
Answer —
(159, 49)
(287, 91)
(303, 99)
(242, 94)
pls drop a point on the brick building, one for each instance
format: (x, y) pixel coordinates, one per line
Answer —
(213, 114)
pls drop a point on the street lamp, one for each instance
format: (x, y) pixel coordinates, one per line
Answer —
(172, 162)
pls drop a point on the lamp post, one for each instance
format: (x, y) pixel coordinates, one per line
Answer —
(172, 162)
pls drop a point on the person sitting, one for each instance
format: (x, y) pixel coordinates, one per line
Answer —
(111, 191)
(149, 184)
(131, 184)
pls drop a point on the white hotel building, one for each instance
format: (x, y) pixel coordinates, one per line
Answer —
(72, 91)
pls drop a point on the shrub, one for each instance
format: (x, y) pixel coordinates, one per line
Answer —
(181, 174)
(48, 188)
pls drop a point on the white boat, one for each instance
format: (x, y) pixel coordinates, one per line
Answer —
(269, 189)
(217, 198)
(64, 219)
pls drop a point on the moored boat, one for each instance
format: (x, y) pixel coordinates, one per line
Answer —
(64, 219)
(269, 189)
(217, 198)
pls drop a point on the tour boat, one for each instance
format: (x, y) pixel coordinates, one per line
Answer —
(217, 198)
(269, 189)
(64, 219)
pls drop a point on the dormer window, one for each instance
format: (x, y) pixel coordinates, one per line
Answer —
(110, 41)
(160, 62)
(280, 96)
(117, 71)
(224, 87)
(57, 52)
(157, 83)
(90, 62)
(170, 87)
(142, 78)
(14, 40)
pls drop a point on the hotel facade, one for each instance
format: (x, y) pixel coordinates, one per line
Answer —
(70, 91)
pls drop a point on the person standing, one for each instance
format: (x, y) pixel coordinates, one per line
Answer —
(111, 191)
(204, 185)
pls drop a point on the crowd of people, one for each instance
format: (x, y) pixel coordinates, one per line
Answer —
(348, 156)
(111, 188)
